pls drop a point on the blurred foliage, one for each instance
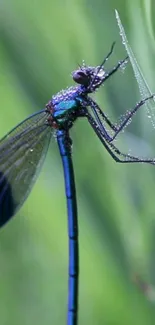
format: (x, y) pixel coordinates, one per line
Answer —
(41, 42)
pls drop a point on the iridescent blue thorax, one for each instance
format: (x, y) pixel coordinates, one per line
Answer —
(65, 106)
(67, 101)
(67, 94)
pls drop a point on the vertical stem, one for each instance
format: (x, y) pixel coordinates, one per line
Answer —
(64, 143)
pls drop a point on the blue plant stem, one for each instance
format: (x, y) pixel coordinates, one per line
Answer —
(64, 143)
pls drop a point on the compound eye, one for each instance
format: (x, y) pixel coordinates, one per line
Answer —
(81, 77)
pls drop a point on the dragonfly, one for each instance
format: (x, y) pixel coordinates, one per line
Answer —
(24, 148)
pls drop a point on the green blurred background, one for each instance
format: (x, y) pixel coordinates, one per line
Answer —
(41, 42)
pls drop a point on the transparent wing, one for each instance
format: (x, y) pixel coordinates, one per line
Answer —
(22, 152)
(142, 83)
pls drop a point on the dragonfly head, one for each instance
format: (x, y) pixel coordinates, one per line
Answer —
(90, 77)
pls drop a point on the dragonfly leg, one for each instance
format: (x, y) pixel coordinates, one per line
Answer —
(108, 55)
(97, 111)
(129, 115)
(119, 65)
(115, 153)
(101, 66)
